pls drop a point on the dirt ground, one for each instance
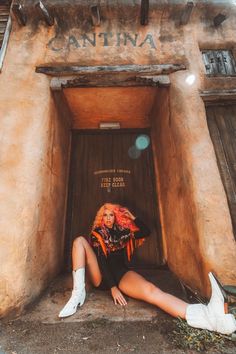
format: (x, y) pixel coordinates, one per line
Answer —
(101, 327)
(19, 337)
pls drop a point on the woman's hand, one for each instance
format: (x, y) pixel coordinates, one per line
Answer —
(118, 296)
(129, 215)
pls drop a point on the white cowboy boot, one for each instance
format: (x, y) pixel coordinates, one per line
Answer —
(78, 293)
(199, 316)
(216, 303)
(211, 316)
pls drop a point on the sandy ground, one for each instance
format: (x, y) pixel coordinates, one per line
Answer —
(99, 326)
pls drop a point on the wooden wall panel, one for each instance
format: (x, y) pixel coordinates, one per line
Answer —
(222, 127)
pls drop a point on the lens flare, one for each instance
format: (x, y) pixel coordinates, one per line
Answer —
(133, 152)
(142, 142)
(190, 79)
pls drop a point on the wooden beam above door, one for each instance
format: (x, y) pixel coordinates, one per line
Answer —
(105, 76)
(58, 83)
(155, 69)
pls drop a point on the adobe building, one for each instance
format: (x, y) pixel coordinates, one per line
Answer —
(131, 102)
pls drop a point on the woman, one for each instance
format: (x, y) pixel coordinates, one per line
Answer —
(115, 233)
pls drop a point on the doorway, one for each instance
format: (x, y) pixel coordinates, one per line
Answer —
(107, 166)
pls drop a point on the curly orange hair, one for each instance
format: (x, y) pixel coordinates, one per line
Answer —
(121, 218)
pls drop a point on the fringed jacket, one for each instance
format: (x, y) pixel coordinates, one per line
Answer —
(114, 246)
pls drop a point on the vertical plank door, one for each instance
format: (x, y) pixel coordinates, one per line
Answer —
(107, 167)
(222, 127)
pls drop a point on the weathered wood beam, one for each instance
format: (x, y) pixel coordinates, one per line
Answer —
(95, 14)
(49, 19)
(185, 17)
(144, 12)
(58, 83)
(155, 81)
(218, 95)
(60, 70)
(219, 19)
(20, 14)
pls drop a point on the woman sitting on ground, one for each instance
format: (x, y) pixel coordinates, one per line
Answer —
(115, 234)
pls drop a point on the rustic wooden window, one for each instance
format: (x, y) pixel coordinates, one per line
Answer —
(219, 63)
(5, 27)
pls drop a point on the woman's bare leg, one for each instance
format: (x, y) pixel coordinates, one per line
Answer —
(84, 256)
(134, 285)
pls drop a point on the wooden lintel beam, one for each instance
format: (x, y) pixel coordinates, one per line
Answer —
(49, 19)
(20, 14)
(58, 83)
(144, 12)
(219, 19)
(218, 95)
(185, 17)
(95, 14)
(156, 80)
(62, 70)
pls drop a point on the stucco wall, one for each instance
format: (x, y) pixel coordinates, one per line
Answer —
(196, 225)
(35, 139)
(34, 158)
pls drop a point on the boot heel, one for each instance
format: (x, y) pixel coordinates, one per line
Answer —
(226, 299)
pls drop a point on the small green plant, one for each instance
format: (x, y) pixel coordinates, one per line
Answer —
(186, 337)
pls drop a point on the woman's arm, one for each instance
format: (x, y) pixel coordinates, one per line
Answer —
(143, 231)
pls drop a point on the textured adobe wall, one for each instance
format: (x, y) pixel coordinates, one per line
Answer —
(34, 158)
(196, 223)
(197, 235)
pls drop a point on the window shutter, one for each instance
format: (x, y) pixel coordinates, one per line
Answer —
(5, 26)
(219, 63)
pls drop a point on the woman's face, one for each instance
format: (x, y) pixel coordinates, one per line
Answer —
(108, 218)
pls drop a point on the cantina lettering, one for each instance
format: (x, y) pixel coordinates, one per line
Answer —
(104, 39)
(115, 182)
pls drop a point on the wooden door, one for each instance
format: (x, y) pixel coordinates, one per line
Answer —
(105, 167)
(222, 127)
